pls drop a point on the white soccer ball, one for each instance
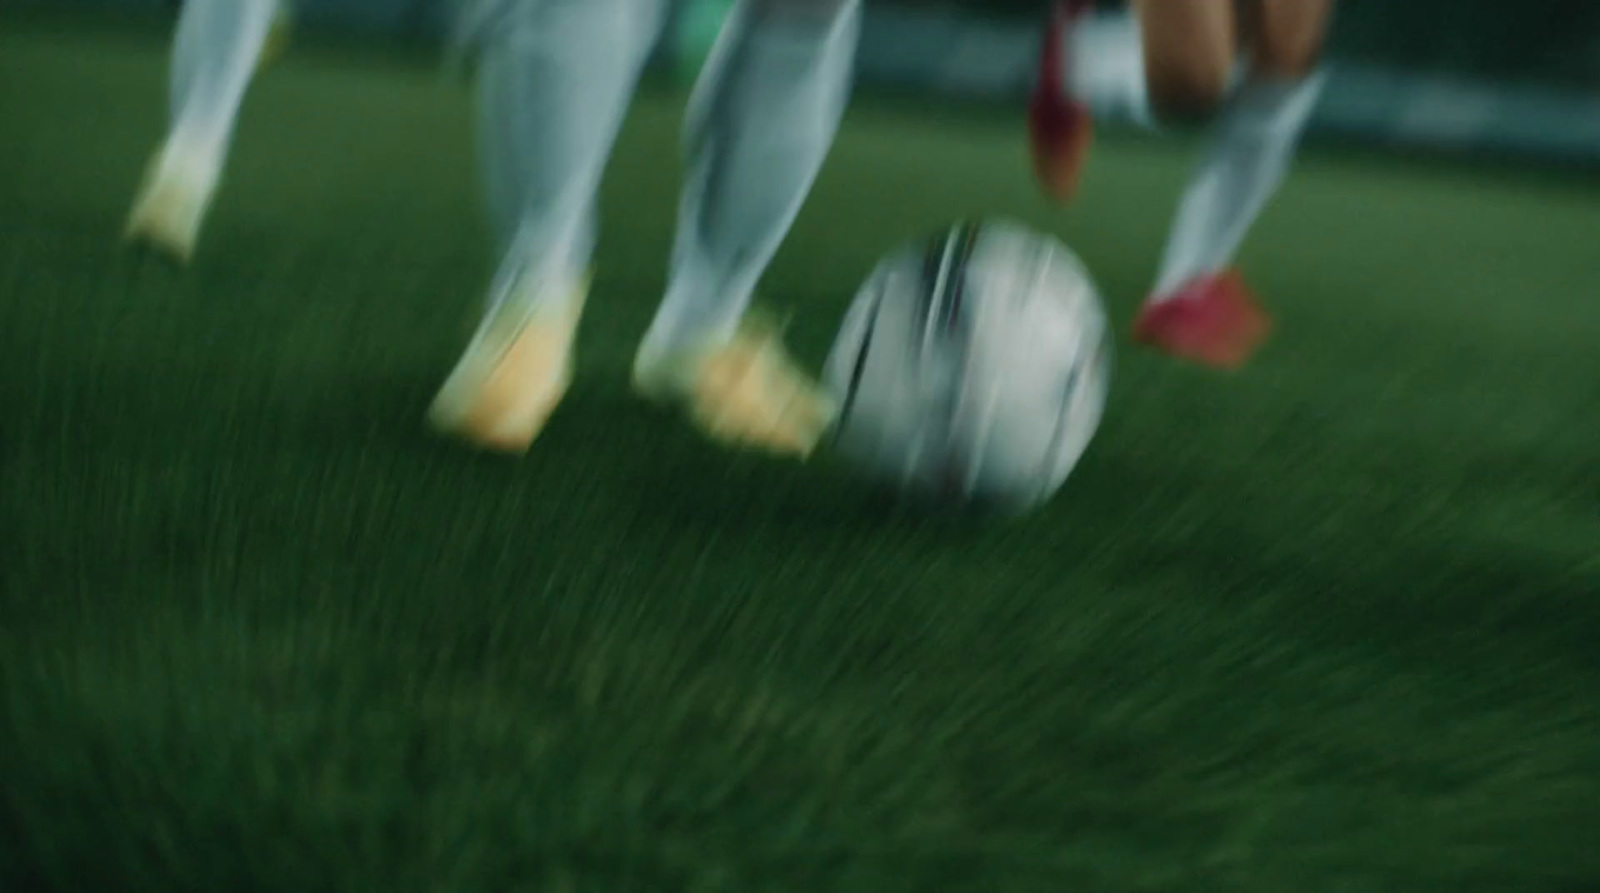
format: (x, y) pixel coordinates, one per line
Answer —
(973, 367)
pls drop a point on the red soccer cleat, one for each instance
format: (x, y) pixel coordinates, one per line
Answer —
(1212, 320)
(1060, 127)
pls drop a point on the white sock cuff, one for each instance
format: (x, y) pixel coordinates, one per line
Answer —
(1280, 105)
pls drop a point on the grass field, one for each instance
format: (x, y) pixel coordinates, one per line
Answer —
(1329, 626)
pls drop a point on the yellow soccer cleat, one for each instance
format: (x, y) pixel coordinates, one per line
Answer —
(512, 375)
(169, 210)
(277, 38)
(746, 392)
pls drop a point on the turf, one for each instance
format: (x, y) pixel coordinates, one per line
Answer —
(1331, 624)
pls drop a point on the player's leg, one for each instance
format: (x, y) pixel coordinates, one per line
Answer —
(556, 78)
(1189, 52)
(215, 51)
(761, 122)
(1200, 308)
(1286, 37)
(1060, 128)
(1168, 60)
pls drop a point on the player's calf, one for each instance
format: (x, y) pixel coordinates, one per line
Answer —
(1287, 36)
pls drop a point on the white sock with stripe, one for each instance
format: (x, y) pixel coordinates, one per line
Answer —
(1251, 153)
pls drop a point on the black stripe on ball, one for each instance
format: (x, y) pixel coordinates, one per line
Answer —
(944, 306)
(951, 302)
(943, 302)
(1069, 396)
(858, 369)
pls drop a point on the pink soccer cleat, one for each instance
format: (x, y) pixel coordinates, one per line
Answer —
(1212, 320)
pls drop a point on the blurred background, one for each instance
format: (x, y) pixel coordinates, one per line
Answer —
(1328, 625)
(1468, 76)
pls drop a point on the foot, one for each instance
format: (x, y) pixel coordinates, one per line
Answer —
(1060, 128)
(1212, 320)
(171, 205)
(744, 392)
(277, 38)
(512, 375)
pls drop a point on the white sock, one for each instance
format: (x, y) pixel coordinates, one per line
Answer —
(555, 83)
(761, 121)
(1250, 156)
(214, 56)
(1105, 67)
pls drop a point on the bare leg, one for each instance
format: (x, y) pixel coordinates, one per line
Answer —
(1286, 36)
(1189, 50)
(1200, 307)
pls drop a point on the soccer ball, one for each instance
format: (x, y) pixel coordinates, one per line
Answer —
(972, 368)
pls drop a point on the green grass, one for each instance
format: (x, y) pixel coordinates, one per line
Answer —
(1332, 624)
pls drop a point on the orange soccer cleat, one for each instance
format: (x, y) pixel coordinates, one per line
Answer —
(1060, 128)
